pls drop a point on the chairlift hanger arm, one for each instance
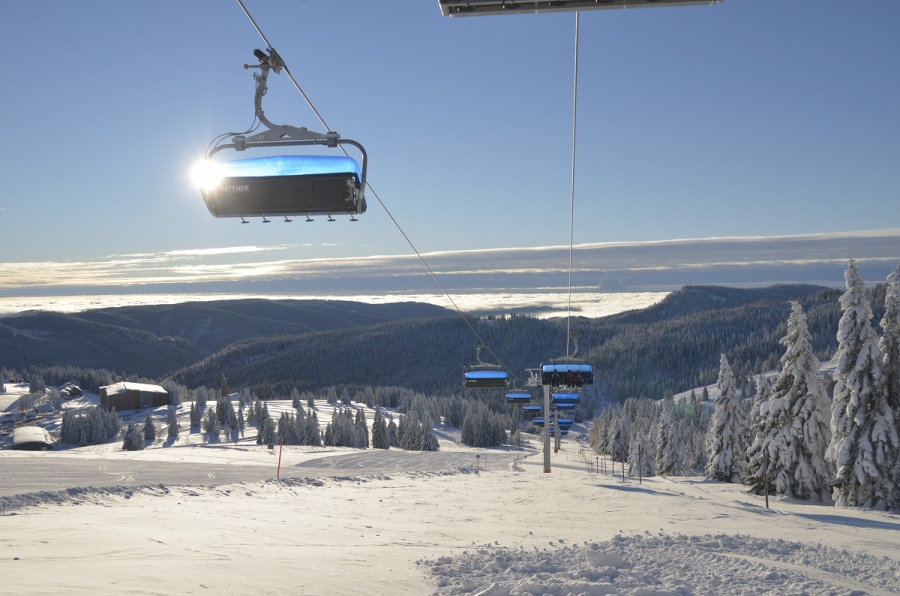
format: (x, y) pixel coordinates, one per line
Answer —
(282, 135)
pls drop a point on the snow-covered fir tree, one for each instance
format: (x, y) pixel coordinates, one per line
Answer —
(864, 436)
(481, 427)
(231, 419)
(172, 423)
(240, 421)
(362, 431)
(727, 448)
(211, 423)
(133, 439)
(379, 431)
(149, 428)
(392, 432)
(791, 422)
(90, 426)
(640, 457)
(267, 433)
(195, 415)
(313, 433)
(201, 396)
(890, 354)
(668, 462)
(287, 429)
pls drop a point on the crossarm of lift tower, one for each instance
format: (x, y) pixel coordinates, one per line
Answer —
(462, 8)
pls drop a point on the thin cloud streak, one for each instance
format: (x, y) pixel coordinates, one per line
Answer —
(656, 266)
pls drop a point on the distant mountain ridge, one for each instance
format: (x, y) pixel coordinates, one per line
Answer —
(664, 348)
(272, 347)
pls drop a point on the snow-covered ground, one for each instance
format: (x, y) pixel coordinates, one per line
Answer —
(507, 530)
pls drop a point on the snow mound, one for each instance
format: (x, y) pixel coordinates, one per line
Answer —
(666, 565)
(9, 505)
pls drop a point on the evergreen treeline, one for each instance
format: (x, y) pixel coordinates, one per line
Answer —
(791, 439)
(89, 426)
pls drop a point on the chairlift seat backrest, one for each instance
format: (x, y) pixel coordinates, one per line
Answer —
(485, 378)
(518, 397)
(567, 374)
(285, 185)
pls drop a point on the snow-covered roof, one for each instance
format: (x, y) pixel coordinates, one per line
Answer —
(125, 387)
(30, 434)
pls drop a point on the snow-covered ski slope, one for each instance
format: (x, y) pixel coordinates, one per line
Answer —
(507, 530)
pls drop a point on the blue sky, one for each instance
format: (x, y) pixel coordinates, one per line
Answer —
(749, 118)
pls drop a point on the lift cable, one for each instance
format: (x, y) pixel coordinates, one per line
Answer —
(572, 200)
(375, 194)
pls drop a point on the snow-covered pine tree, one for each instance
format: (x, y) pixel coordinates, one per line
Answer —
(267, 434)
(149, 429)
(211, 423)
(223, 405)
(619, 441)
(890, 354)
(331, 396)
(295, 398)
(379, 431)
(791, 422)
(287, 429)
(231, 417)
(369, 397)
(224, 391)
(864, 436)
(668, 462)
(429, 439)
(301, 413)
(640, 458)
(727, 448)
(112, 423)
(195, 415)
(760, 428)
(133, 440)
(201, 395)
(172, 423)
(313, 433)
(392, 432)
(362, 431)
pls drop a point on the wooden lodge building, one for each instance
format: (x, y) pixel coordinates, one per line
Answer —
(131, 396)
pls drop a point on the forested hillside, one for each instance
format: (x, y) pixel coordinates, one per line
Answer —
(210, 326)
(672, 346)
(153, 341)
(53, 339)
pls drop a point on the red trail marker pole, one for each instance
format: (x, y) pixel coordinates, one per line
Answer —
(280, 448)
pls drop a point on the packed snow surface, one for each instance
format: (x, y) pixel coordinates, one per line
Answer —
(347, 521)
(502, 531)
